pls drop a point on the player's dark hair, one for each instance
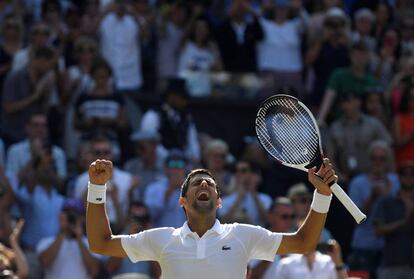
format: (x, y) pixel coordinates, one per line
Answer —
(186, 183)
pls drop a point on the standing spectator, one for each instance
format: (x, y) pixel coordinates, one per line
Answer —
(199, 56)
(216, 156)
(148, 164)
(279, 53)
(365, 190)
(280, 218)
(403, 128)
(139, 219)
(351, 135)
(118, 187)
(40, 204)
(119, 35)
(174, 122)
(313, 265)
(25, 91)
(66, 254)
(22, 153)
(393, 219)
(328, 52)
(170, 31)
(237, 38)
(354, 78)
(161, 196)
(245, 204)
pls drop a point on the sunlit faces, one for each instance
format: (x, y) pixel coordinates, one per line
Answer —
(202, 195)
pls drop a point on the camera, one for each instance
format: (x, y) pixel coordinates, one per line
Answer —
(72, 217)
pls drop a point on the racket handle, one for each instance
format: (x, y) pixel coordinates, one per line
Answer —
(348, 203)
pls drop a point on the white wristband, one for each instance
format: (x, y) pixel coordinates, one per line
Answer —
(96, 193)
(320, 203)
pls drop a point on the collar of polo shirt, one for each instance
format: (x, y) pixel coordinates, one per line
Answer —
(185, 230)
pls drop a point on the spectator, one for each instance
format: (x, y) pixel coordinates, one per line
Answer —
(198, 57)
(393, 219)
(12, 32)
(383, 19)
(22, 153)
(120, 38)
(407, 35)
(245, 204)
(351, 135)
(174, 122)
(118, 189)
(170, 31)
(149, 162)
(375, 106)
(25, 91)
(280, 218)
(90, 18)
(66, 254)
(216, 157)
(328, 52)
(139, 219)
(101, 109)
(7, 186)
(365, 190)
(344, 80)
(364, 20)
(161, 196)
(313, 265)
(237, 38)
(279, 53)
(51, 14)
(403, 128)
(40, 204)
(13, 262)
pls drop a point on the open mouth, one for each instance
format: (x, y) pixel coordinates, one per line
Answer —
(203, 196)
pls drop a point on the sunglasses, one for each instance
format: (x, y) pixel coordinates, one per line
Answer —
(287, 216)
(176, 164)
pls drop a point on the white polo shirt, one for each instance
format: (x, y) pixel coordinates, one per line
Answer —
(222, 252)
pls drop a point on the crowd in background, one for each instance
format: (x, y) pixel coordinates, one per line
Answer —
(69, 74)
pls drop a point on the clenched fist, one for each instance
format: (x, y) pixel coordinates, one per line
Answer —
(100, 172)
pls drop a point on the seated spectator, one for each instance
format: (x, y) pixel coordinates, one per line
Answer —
(354, 78)
(198, 57)
(25, 91)
(13, 263)
(139, 219)
(364, 20)
(403, 128)
(52, 16)
(216, 158)
(22, 153)
(66, 254)
(280, 217)
(393, 219)
(173, 121)
(40, 204)
(350, 137)
(148, 165)
(366, 190)
(313, 265)
(407, 36)
(374, 105)
(118, 188)
(161, 196)
(246, 204)
(8, 185)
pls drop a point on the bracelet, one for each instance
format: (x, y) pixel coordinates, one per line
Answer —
(96, 193)
(320, 203)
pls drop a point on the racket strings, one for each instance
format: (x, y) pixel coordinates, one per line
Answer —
(293, 137)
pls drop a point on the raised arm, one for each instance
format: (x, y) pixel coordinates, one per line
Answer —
(98, 230)
(308, 235)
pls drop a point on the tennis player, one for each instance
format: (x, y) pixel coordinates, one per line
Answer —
(203, 248)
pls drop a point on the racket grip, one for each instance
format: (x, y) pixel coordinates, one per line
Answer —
(348, 203)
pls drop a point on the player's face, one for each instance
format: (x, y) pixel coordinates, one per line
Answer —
(202, 195)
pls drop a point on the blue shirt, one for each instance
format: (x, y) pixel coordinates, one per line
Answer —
(359, 191)
(41, 212)
(164, 213)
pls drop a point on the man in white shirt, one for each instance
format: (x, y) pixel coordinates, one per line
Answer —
(203, 247)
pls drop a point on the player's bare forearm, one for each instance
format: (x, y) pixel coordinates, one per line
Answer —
(97, 227)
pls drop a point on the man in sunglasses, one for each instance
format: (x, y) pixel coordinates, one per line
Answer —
(203, 248)
(161, 196)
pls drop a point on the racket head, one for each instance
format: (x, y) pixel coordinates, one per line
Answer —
(288, 131)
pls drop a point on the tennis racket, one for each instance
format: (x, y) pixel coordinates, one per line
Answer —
(288, 131)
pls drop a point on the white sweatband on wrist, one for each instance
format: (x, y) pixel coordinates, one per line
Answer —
(320, 203)
(96, 193)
